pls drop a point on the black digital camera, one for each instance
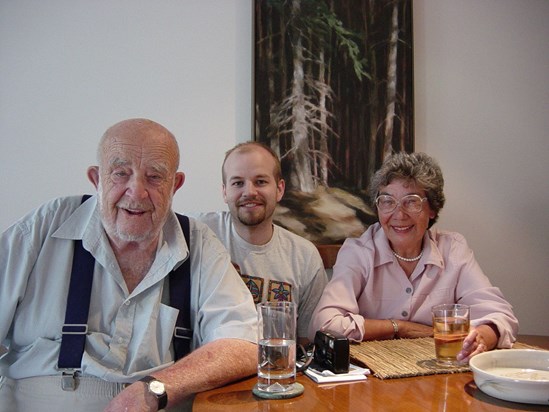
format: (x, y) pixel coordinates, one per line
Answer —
(331, 352)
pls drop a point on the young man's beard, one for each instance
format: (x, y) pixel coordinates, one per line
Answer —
(251, 219)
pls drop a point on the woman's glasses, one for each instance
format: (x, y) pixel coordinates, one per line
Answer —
(408, 203)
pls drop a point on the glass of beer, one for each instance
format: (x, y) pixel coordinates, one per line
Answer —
(450, 327)
(276, 369)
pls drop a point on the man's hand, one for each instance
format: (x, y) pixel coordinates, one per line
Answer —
(135, 398)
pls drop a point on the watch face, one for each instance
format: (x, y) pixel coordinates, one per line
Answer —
(157, 387)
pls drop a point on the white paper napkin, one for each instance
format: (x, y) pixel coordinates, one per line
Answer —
(355, 373)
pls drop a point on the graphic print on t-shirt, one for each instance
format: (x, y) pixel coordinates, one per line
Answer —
(255, 285)
(279, 291)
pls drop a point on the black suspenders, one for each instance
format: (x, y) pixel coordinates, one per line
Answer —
(73, 338)
(180, 298)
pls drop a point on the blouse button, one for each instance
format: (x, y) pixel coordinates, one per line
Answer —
(408, 290)
(404, 314)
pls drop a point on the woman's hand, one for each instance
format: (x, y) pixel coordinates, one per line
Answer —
(480, 339)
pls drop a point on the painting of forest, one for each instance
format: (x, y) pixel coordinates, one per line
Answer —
(333, 97)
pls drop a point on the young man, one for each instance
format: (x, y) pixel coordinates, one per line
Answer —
(136, 241)
(275, 264)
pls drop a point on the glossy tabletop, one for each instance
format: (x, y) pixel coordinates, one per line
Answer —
(444, 392)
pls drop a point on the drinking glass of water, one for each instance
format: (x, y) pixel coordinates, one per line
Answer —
(276, 369)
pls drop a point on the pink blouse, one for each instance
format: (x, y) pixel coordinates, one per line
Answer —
(368, 283)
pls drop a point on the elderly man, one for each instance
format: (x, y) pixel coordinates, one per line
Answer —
(134, 241)
(275, 264)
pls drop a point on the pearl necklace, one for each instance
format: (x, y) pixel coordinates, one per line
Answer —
(408, 259)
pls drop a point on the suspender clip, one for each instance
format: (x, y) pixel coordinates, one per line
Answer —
(183, 333)
(68, 380)
(74, 329)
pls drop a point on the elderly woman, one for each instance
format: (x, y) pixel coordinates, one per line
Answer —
(385, 282)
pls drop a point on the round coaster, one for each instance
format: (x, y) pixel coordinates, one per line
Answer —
(434, 365)
(297, 389)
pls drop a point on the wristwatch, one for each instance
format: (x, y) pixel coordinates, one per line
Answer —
(158, 389)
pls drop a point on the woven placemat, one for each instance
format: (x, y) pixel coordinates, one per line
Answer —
(400, 358)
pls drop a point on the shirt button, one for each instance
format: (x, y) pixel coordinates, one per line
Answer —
(408, 290)
(120, 340)
(128, 302)
(404, 314)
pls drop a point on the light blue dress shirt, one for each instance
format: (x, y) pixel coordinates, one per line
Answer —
(129, 334)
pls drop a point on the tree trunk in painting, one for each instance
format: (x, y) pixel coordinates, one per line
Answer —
(301, 175)
(391, 84)
(322, 155)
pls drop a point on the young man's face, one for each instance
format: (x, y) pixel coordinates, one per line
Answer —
(250, 189)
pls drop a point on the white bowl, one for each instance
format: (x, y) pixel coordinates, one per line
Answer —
(517, 375)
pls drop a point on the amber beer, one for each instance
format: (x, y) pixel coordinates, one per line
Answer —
(450, 327)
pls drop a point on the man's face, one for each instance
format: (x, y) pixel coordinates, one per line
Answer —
(250, 188)
(137, 180)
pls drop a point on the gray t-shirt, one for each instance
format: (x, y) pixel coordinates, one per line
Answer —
(287, 268)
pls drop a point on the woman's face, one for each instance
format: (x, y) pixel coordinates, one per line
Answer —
(405, 230)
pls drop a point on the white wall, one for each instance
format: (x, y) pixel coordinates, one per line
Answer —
(71, 68)
(482, 109)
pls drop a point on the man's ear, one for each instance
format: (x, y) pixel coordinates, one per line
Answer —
(224, 192)
(93, 175)
(280, 187)
(179, 180)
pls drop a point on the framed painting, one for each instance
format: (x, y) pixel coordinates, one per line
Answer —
(332, 96)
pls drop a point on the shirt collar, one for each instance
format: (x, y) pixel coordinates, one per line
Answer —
(76, 226)
(385, 255)
(85, 224)
(434, 257)
(250, 247)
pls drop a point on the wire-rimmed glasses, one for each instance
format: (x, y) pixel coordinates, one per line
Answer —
(408, 203)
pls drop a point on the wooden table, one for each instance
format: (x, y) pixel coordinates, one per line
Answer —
(445, 392)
